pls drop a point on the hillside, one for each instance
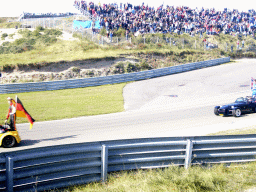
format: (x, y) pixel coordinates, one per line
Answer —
(43, 54)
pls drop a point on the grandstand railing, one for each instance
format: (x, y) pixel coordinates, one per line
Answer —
(96, 81)
(59, 166)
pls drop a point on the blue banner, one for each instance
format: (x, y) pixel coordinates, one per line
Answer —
(78, 24)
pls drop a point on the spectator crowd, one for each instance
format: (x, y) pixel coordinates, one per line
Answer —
(144, 19)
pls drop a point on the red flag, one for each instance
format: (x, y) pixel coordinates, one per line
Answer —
(21, 112)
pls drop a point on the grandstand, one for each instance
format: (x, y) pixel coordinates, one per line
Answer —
(142, 19)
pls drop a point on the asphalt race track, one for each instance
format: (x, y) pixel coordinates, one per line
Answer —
(175, 105)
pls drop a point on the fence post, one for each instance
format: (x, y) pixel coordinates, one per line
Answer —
(104, 162)
(170, 41)
(144, 40)
(117, 40)
(9, 174)
(188, 157)
(130, 40)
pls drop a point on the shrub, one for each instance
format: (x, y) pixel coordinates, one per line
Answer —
(142, 46)
(159, 45)
(119, 68)
(39, 28)
(4, 35)
(90, 73)
(120, 32)
(103, 31)
(145, 66)
(11, 36)
(131, 68)
(250, 54)
(36, 33)
(53, 32)
(76, 69)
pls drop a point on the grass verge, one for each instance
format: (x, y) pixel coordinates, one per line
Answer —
(247, 130)
(236, 177)
(68, 103)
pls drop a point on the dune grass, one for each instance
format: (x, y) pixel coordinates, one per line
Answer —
(60, 51)
(68, 103)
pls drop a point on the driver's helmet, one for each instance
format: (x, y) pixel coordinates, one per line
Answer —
(6, 126)
(3, 129)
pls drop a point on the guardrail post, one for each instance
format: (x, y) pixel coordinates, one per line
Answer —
(104, 162)
(188, 156)
(9, 174)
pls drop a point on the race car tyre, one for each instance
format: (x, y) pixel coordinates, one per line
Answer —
(216, 111)
(8, 141)
(237, 113)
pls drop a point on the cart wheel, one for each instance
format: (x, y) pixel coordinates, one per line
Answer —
(9, 141)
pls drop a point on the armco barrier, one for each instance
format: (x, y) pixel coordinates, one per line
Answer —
(96, 81)
(61, 166)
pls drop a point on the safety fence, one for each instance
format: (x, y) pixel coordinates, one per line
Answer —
(64, 24)
(96, 81)
(53, 167)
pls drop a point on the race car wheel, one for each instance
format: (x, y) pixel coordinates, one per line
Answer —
(216, 112)
(9, 141)
(237, 113)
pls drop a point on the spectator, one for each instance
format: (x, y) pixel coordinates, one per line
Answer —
(126, 34)
(111, 35)
(179, 20)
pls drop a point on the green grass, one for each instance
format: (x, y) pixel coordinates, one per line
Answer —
(235, 177)
(9, 22)
(69, 103)
(246, 130)
(61, 51)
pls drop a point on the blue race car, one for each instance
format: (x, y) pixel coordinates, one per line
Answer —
(240, 106)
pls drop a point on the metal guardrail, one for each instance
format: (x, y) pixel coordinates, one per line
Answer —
(96, 81)
(65, 165)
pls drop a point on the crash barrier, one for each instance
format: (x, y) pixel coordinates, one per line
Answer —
(65, 165)
(96, 81)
